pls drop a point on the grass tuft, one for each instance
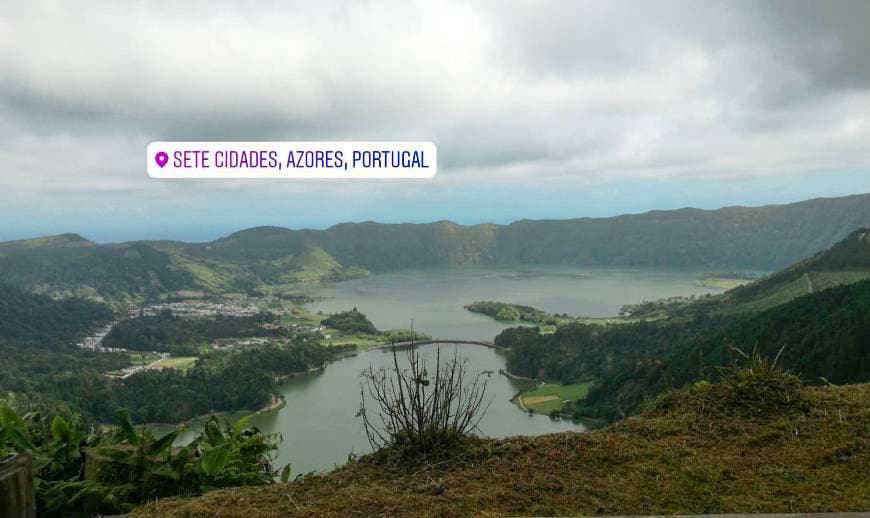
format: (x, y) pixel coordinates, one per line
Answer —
(759, 389)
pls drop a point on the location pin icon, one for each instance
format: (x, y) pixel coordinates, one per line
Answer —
(161, 158)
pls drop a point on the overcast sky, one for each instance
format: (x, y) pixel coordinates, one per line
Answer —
(539, 109)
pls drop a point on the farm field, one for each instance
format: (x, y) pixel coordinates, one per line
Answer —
(551, 396)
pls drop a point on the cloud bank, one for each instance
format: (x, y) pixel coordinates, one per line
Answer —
(513, 92)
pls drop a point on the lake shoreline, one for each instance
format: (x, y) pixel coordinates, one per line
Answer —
(509, 374)
(435, 299)
(276, 403)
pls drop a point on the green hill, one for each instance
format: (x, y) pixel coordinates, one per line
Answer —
(133, 272)
(371, 246)
(43, 242)
(71, 268)
(846, 262)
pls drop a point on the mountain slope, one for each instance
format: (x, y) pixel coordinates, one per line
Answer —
(680, 458)
(733, 237)
(769, 237)
(68, 268)
(35, 319)
(44, 242)
(846, 262)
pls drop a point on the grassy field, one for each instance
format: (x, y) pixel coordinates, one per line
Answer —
(301, 316)
(551, 396)
(360, 341)
(213, 276)
(723, 283)
(604, 321)
(824, 280)
(690, 455)
(142, 358)
(153, 363)
(785, 293)
(810, 282)
(137, 359)
(180, 362)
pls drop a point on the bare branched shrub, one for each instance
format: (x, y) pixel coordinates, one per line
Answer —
(421, 414)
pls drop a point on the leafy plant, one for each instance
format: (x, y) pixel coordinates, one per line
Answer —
(233, 454)
(101, 472)
(13, 433)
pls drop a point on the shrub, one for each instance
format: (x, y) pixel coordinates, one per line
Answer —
(422, 416)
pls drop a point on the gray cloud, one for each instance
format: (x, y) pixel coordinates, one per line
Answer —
(520, 91)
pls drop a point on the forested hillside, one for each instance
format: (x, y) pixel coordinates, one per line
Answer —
(823, 335)
(166, 332)
(78, 268)
(42, 363)
(37, 336)
(244, 380)
(40, 321)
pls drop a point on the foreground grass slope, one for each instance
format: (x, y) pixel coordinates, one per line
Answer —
(740, 447)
